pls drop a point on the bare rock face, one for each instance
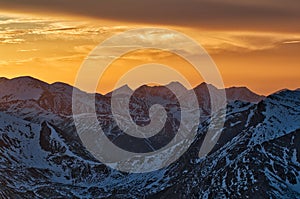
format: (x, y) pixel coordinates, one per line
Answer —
(48, 141)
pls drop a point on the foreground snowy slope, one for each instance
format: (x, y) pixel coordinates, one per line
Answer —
(257, 155)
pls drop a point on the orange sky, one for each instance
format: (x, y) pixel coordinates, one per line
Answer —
(53, 47)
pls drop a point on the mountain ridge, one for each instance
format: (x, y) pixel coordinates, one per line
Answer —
(230, 91)
(42, 156)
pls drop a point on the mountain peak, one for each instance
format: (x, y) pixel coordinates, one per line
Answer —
(243, 93)
(22, 88)
(3, 79)
(175, 83)
(286, 93)
(125, 89)
(26, 79)
(60, 86)
(205, 85)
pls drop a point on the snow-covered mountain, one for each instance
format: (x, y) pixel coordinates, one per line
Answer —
(37, 101)
(41, 155)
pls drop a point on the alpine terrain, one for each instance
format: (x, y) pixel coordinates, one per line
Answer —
(41, 155)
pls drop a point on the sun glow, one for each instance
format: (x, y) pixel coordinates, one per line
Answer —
(53, 49)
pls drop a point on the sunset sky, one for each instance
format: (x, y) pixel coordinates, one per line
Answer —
(254, 43)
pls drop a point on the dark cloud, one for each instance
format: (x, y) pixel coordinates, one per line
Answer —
(265, 15)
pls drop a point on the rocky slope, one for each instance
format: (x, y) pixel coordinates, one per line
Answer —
(41, 156)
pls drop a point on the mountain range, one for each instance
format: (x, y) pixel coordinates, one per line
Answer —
(42, 156)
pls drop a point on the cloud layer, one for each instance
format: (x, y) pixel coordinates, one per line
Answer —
(263, 15)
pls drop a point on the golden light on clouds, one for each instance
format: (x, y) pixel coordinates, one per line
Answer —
(138, 58)
(53, 49)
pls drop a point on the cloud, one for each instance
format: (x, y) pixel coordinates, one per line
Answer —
(49, 61)
(27, 50)
(212, 14)
(292, 42)
(81, 37)
(3, 63)
(219, 42)
(10, 40)
(19, 29)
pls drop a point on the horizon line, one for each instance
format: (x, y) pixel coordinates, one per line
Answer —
(149, 85)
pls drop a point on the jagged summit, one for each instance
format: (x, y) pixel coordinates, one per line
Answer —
(25, 88)
(234, 93)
